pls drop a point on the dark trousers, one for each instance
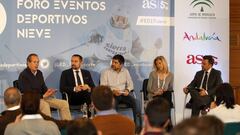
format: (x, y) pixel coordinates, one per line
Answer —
(129, 101)
(80, 98)
(199, 102)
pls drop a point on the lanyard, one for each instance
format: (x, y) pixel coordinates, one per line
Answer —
(164, 78)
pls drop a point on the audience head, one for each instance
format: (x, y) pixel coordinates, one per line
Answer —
(76, 61)
(81, 126)
(12, 97)
(117, 62)
(102, 98)
(210, 125)
(186, 127)
(157, 113)
(33, 62)
(30, 102)
(206, 125)
(207, 62)
(225, 95)
(160, 64)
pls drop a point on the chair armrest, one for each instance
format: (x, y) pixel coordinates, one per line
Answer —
(65, 94)
(133, 94)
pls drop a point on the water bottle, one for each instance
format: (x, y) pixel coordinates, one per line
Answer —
(84, 110)
(91, 110)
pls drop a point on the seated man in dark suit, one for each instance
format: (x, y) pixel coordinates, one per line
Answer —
(77, 82)
(203, 86)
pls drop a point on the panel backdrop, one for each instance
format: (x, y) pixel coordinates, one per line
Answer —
(182, 31)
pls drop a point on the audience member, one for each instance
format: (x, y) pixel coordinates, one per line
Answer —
(224, 107)
(12, 98)
(82, 126)
(32, 79)
(205, 125)
(30, 122)
(156, 117)
(120, 82)
(203, 87)
(107, 120)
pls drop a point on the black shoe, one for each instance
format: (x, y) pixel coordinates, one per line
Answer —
(189, 105)
(205, 110)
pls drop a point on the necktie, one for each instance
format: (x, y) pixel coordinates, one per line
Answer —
(78, 78)
(205, 80)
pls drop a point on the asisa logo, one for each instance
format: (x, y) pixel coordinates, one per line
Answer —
(202, 4)
(3, 18)
(197, 59)
(201, 37)
(155, 4)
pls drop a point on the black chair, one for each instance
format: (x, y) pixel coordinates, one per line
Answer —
(145, 99)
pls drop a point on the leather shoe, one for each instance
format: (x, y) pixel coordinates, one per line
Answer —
(188, 105)
(205, 110)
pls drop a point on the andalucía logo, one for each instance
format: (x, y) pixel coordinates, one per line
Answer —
(201, 37)
(202, 9)
(3, 18)
(202, 3)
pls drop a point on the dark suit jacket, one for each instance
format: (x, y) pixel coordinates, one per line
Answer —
(10, 116)
(214, 80)
(67, 81)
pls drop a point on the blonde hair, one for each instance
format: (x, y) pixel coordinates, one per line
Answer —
(164, 62)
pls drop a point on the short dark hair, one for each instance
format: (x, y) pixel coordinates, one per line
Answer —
(102, 97)
(120, 58)
(211, 125)
(30, 56)
(158, 112)
(209, 58)
(225, 95)
(77, 55)
(81, 126)
(205, 125)
(30, 102)
(187, 127)
(12, 97)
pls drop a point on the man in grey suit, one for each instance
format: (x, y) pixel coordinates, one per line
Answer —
(31, 122)
(203, 87)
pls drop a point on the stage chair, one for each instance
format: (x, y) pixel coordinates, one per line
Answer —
(185, 107)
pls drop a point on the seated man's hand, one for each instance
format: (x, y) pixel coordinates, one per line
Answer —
(185, 90)
(213, 105)
(126, 92)
(48, 93)
(78, 88)
(85, 87)
(117, 93)
(18, 118)
(202, 92)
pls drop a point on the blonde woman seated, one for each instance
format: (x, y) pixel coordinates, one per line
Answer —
(160, 83)
(224, 107)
